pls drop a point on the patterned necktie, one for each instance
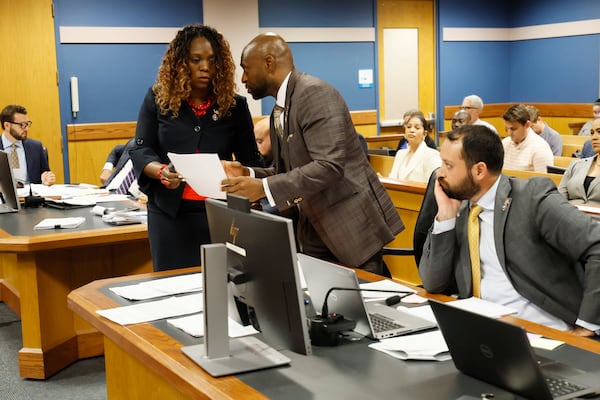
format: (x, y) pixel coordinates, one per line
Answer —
(14, 157)
(473, 238)
(127, 180)
(277, 110)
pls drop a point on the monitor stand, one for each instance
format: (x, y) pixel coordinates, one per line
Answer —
(220, 355)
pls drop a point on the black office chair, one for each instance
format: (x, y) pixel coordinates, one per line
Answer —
(424, 222)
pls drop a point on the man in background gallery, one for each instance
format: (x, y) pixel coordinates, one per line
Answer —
(474, 106)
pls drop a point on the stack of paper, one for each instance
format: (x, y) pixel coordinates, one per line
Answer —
(58, 223)
(160, 287)
(421, 346)
(154, 310)
(194, 325)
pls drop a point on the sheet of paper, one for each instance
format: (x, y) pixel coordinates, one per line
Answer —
(202, 171)
(543, 343)
(160, 287)
(194, 325)
(153, 310)
(420, 346)
(59, 223)
(483, 307)
(384, 284)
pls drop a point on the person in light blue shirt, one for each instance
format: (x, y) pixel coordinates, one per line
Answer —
(552, 137)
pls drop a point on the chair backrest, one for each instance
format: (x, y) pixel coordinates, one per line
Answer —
(425, 218)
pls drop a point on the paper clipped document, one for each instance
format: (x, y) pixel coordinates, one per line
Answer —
(202, 171)
(154, 310)
(59, 223)
(160, 287)
(194, 325)
(419, 346)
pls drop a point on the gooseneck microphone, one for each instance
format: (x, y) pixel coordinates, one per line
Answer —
(325, 311)
(325, 330)
(31, 200)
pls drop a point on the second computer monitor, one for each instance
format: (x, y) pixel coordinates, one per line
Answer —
(262, 251)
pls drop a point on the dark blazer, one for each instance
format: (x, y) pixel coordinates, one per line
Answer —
(36, 158)
(549, 250)
(322, 168)
(157, 134)
(118, 157)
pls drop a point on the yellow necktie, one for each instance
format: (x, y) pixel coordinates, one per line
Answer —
(14, 157)
(473, 237)
(277, 110)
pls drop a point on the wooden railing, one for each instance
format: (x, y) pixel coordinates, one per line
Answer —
(559, 116)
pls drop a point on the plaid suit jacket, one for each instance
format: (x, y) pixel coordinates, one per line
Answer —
(320, 167)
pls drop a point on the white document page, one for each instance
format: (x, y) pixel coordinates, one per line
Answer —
(160, 287)
(194, 325)
(483, 307)
(153, 310)
(202, 171)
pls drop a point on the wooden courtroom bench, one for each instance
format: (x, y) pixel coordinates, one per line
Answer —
(559, 116)
(575, 127)
(556, 178)
(564, 162)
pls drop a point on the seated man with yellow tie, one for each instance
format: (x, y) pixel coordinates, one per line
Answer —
(528, 248)
(27, 157)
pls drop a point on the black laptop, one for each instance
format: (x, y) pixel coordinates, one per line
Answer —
(9, 200)
(500, 354)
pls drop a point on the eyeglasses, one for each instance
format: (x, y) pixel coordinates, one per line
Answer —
(468, 108)
(23, 125)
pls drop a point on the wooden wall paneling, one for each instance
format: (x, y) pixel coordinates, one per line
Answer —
(29, 75)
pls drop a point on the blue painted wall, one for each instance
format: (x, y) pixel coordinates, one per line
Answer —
(541, 70)
(113, 78)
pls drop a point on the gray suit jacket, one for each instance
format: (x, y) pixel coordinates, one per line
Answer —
(322, 168)
(571, 184)
(549, 250)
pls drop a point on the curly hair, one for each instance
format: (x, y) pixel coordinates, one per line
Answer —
(173, 83)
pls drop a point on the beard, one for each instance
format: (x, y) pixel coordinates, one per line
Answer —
(464, 190)
(17, 135)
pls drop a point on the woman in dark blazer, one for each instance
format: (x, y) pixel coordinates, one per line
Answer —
(191, 108)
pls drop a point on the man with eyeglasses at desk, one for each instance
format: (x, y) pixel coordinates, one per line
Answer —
(474, 106)
(27, 156)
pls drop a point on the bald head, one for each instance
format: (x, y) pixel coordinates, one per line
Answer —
(263, 140)
(460, 118)
(266, 61)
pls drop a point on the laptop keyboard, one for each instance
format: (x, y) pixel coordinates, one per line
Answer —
(382, 323)
(560, 387)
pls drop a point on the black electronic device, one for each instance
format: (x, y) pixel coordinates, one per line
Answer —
(260, 263)
(8, 188)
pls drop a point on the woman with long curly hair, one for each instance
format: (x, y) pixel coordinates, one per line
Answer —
(191, 108)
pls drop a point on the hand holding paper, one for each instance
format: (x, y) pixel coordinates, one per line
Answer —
(246, 186)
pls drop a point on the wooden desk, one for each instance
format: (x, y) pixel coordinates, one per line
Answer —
(38, 269)
(145, 362)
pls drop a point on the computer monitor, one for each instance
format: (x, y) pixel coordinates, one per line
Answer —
(9, 200)
(261, 260)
